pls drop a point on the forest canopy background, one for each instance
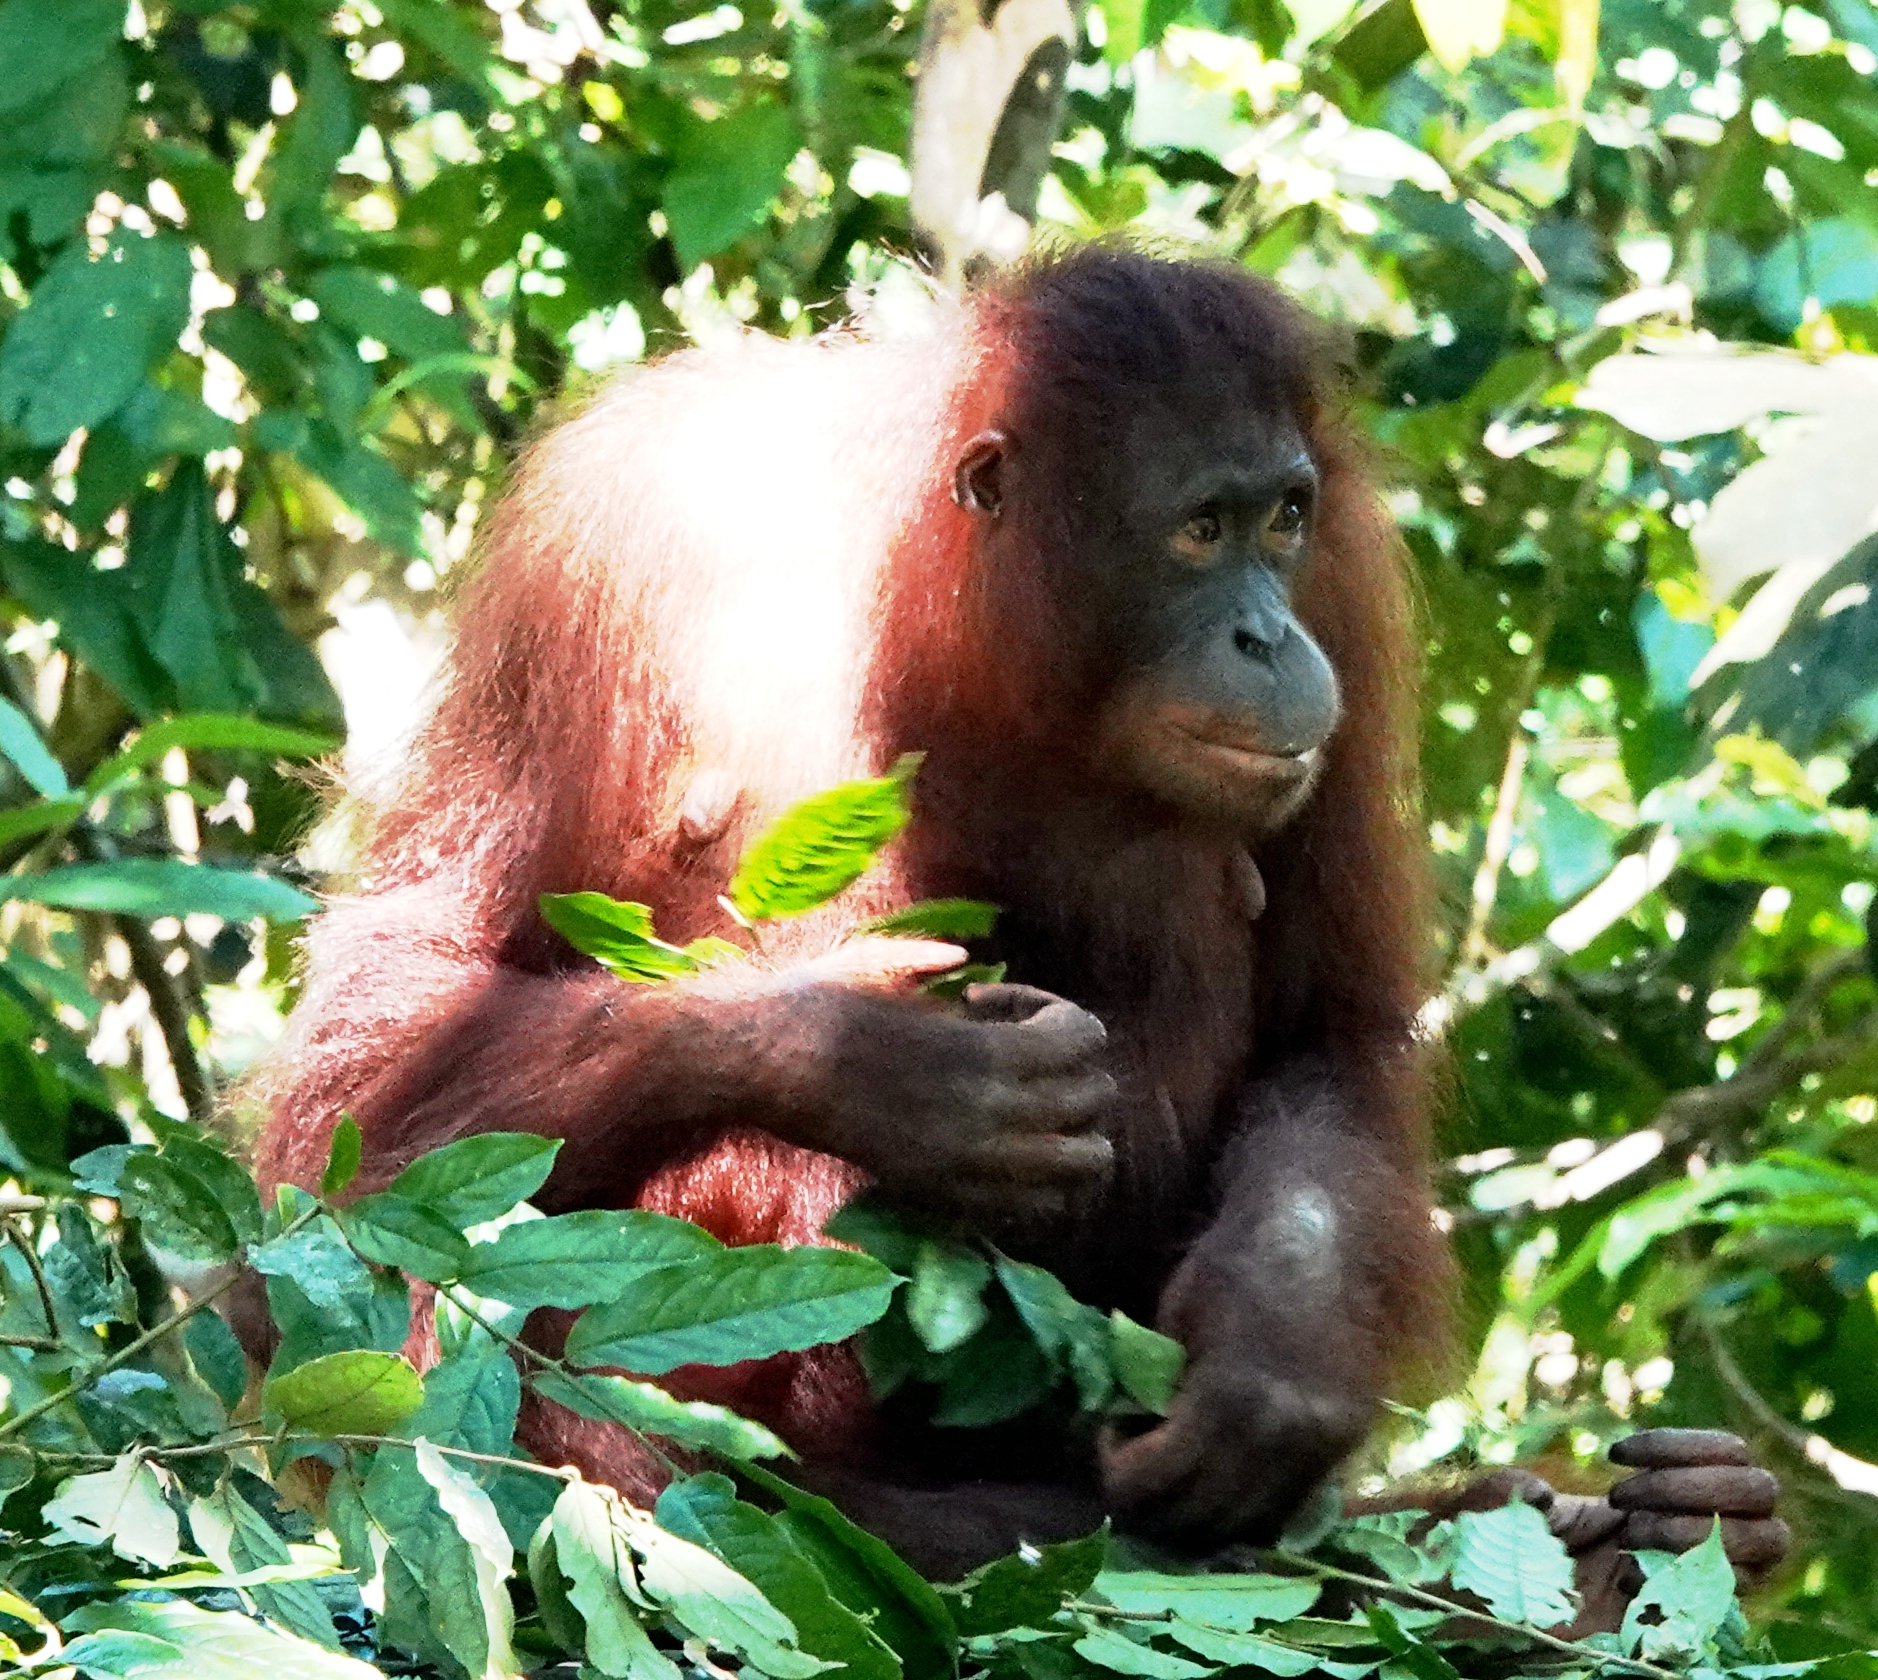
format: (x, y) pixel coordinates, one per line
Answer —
(282, 285)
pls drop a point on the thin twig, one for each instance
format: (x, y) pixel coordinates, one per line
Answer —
(1499, 843)
(560, 1367)
(19, 1240)
(1814, 991)
(1433, 1601)
(271, 1438)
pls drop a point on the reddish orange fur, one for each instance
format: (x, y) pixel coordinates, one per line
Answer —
(626, 628)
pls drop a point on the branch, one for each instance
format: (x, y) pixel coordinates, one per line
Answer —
(1499, 843)
(985, 115)
(1634, 877)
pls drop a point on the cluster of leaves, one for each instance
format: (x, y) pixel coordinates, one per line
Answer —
(166, 1516)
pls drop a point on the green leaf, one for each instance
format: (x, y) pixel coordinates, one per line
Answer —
(728, 173)
(479, 1178)
(1245, 1650)
(1682, 1606)
(45, 47)
(938, 918)
(1237, 1603)
(719, 1605)
(359, 1392)
(1515, 1562)
(737, 1304)
(1063, 1326)
(472, 1514)
(649, 1410)
(393, 1230)
(323, 1267)
(123, 1507)
(172, 1639)
(206, 732)
(1111, 1649)
(246, 1549)
(1147, 1364)
(869, 1576)
(820, 847)
(1421, 1660)
(617, 934)
(375, 305)
(578, 1259)
(21, 742)
(95, 324)
(1029, 1588)
(179, 1211)
(945, 1299)
(150, 887)
(593, 1549)
(705, 1509)
(342, 1156)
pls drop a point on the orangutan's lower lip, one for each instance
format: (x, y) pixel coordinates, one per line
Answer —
(1251, 762)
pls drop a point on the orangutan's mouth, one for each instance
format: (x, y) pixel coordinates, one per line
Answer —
(1244, 762)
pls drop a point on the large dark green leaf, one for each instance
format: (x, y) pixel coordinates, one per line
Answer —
(578, 1259)
(730, 171)
(736, 1304)
(94, 326)
(43, 47)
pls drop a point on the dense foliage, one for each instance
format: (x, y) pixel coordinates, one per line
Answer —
(282, 284)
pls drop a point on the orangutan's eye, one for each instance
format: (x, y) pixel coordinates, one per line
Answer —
(1200, 536)
(1288, 517)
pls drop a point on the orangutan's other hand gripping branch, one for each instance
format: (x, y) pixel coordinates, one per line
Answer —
(1101, 548)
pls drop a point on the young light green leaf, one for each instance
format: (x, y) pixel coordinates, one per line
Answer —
(945, 1300)
(358, 1392)
(122, 1506)
(1147, 1364)
(937, 918)
(577, 1259)
(478, 1178)
(1237, 1603)
(342, 1156)
(1516, 1563)
(593, 1550)
(737, 1304)
(617, 934)
(1683, 1604)
(647, 1408)
(21, 742)
(820, 847)
(394, 1230)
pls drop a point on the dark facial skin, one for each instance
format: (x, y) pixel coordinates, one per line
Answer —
(1225, 700)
